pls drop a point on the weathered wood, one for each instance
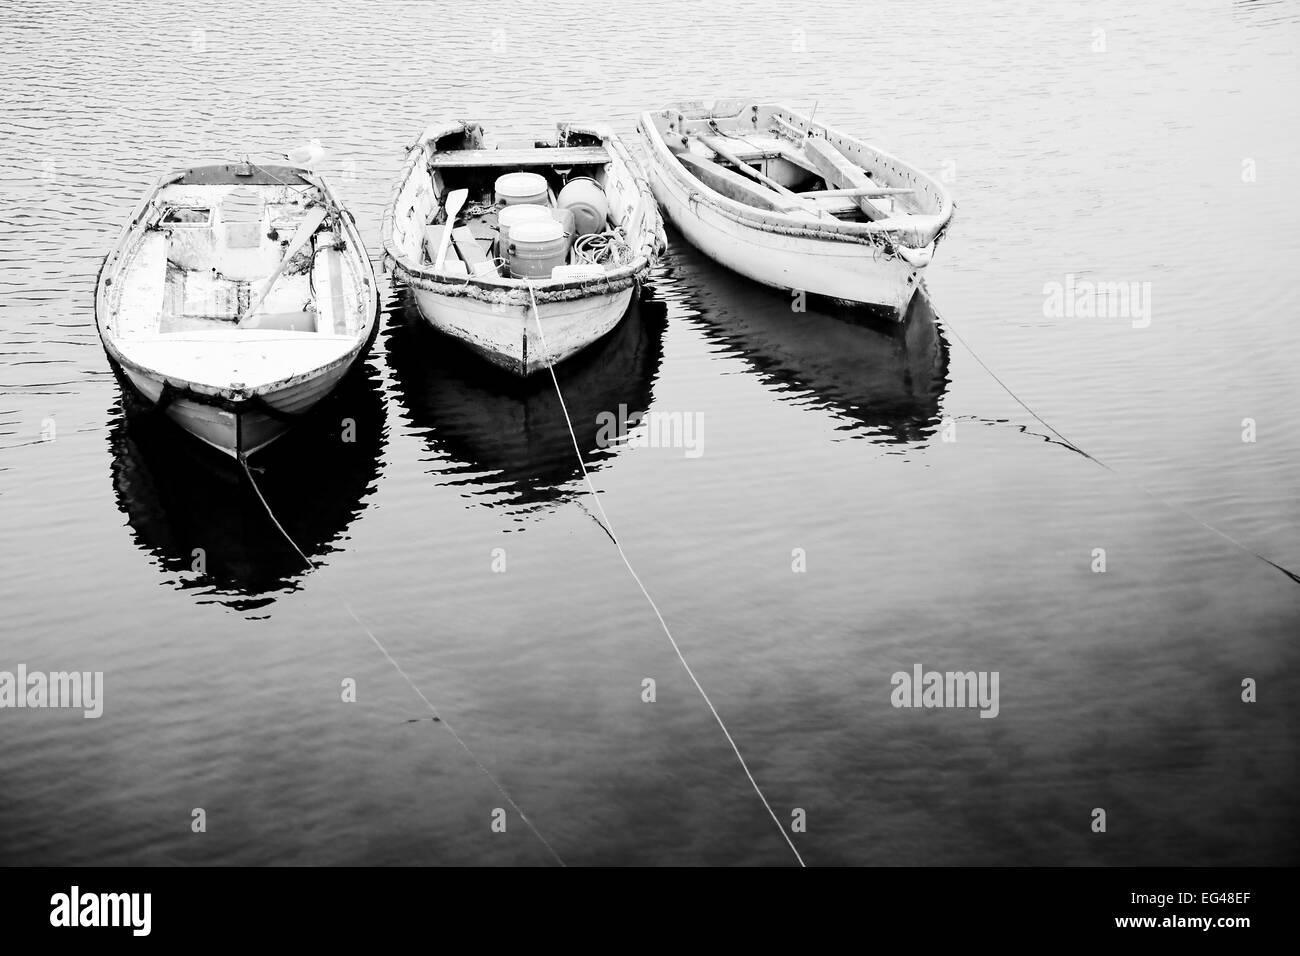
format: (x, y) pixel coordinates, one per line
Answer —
(845, 208)
(433, 236)
(858, 192)
(735, 186)
(542, 156)
(471, 250)
(748, 151)
(788, 127)
(841, 172)
(715, 143)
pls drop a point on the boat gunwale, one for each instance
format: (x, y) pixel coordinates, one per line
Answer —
(870, 233)
(501, 289)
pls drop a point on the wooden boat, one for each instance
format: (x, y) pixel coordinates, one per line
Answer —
(236, 298)
(473, 296)
(792, 203)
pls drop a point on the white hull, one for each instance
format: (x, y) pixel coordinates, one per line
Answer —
(249, 430)
(490, 311)
(875, 251)
(850, 271)
(214, 318)
(508, 336)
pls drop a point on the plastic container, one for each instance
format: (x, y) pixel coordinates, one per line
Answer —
(535, 248)
(565, 218)
(577, 273)
(512, 216)
(516, 188)
(588, 203)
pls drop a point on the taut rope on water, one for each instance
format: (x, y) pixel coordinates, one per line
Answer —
(243, 461)
(1179, 509)
(609, 530)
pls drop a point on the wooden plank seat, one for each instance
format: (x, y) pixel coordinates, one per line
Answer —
(542, 156)
(735, 186)
(840, 172)
(753, 149)
(840, 207)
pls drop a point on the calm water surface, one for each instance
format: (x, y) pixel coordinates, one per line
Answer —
(822, 432)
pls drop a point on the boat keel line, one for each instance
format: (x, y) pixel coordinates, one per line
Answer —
(243, 460)
(609, 530)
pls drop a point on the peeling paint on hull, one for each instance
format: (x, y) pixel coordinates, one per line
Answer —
(255, 429)
(507, 335)
(849, 271)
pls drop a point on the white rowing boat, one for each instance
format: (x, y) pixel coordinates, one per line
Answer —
(236, 298)
(793, 203)
(473, 295)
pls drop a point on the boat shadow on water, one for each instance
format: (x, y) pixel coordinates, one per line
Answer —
(504, 439)
(883, 378)
(195, 511)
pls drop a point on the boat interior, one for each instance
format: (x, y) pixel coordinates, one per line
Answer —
(215, 239)
(571, 181)
(763, 156)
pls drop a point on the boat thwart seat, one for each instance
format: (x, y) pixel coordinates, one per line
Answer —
(541, 156)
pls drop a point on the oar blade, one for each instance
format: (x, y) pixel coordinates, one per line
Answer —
(306, 229)
(455, 202)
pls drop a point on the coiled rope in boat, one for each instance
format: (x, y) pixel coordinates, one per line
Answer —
(602, 248)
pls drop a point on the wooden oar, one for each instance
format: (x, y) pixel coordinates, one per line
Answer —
(743, 167)
(306, 229)
(790, 129)
(868, 191)
(808, 131)
(455, 200)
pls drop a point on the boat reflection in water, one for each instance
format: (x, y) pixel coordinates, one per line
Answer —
(882, 377)
(506, 438)
(196, 512)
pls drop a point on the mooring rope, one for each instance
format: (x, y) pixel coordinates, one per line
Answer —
(243, 460)
(1179, 509)
(609, 530)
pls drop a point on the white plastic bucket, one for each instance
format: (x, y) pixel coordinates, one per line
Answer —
(535, 248)
(516, 188)
(512, 216)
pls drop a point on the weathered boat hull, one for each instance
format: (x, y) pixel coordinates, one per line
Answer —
(233, 427)
(854, 272)
(236, 387)
(493, 313)
(507, 335)
(787, 240)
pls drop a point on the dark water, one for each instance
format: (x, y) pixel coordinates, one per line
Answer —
(822, 432)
